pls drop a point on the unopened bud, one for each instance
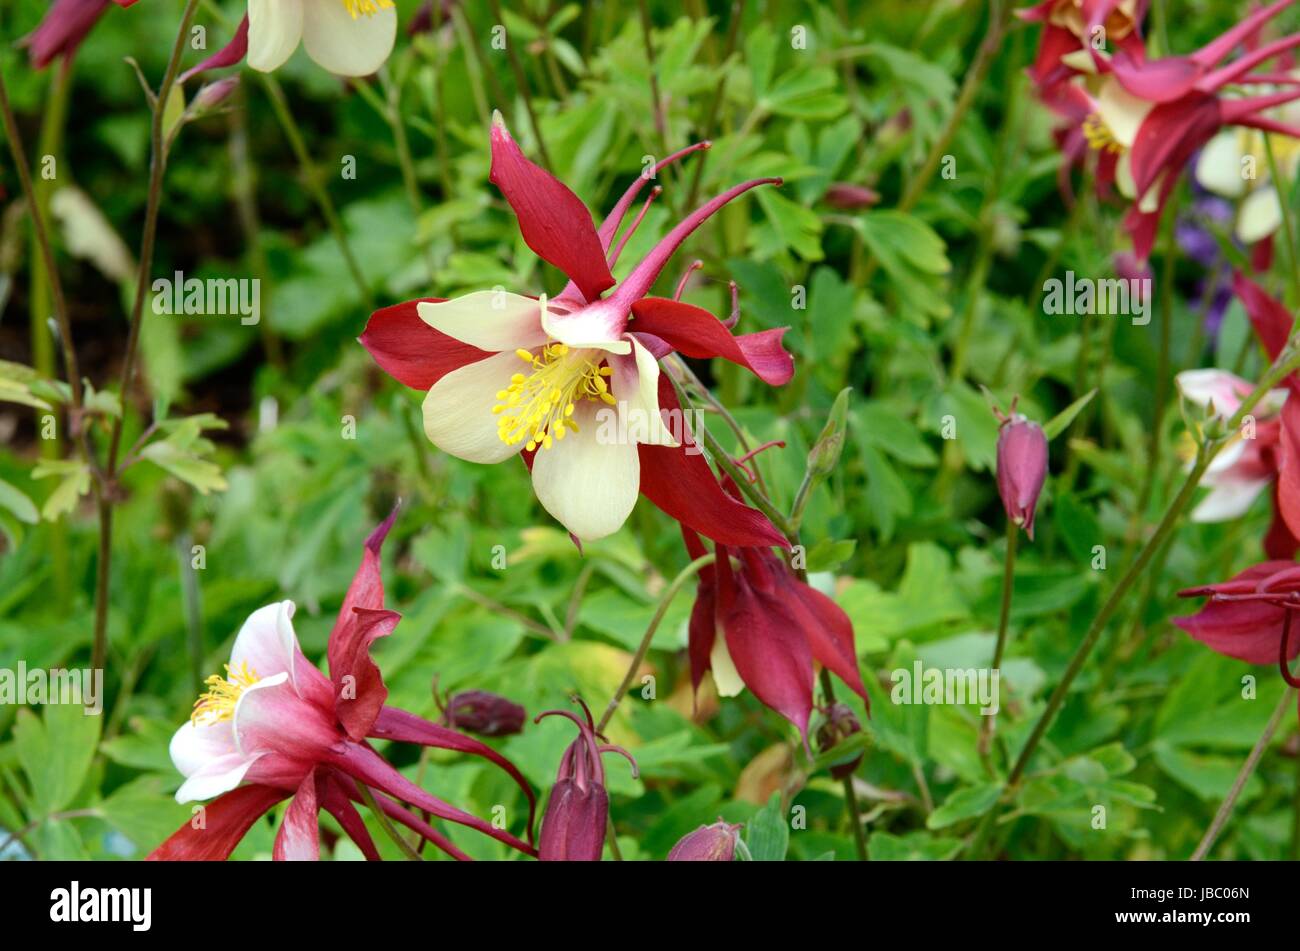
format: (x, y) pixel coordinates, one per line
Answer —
(1022, 467)
(849, 197)
(477, 711)
(840, 723)
(714, 843)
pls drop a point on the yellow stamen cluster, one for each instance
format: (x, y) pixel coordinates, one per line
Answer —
(1098, 134)
(368, 8)
(218, 703)
(539, 406)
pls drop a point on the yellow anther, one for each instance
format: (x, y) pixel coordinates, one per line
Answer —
(358, 8)
(223, 693)
(535, 408)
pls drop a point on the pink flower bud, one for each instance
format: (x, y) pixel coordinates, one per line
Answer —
(1022, 467)
(486, 714)
(715, 843)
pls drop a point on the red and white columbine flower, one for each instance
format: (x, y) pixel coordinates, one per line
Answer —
(507, 375)
(1248, 464)
(276, 727)
(1146, 118)
(346, 37)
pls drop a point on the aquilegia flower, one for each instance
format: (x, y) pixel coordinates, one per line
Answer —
(577, 814)
(1068, 33)
(346, 37)
(1250, 617)
(276, 727)
(573, 383)
(1249, 463)
(63, 27)
(757, 625)
(1147, 118)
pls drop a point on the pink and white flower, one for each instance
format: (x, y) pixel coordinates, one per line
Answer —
(275, 727)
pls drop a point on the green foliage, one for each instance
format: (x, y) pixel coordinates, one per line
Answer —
(255, 459)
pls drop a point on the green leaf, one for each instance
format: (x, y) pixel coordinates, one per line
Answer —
(75, 482)
(55, 752)
(1061, 421)
(966, 803)
(768, 833)
(13, 499)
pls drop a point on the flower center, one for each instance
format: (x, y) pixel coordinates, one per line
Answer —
(1099, 136)
(218, 703)
(539, 406)
(366, 7)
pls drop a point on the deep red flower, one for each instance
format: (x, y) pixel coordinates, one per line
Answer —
(577, 814)
(774, 627)
(1251, 616)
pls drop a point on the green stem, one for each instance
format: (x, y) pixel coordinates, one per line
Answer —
(665, 600)
(408, 851)
(1287, 362)
(311, 174)
(1281, 186)
(1247, 768)
(1162, 364)
(157, 167)
(1004, 623)
(521, 80)
(999, 10)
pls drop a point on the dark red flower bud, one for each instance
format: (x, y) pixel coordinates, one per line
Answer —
(839, 724)
(849, 197)
(715, 843)
(1022, 467)
(477, 711)
(573, 828)
(61, 31)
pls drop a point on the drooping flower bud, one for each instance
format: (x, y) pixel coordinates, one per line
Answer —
(1022, 467)
(849, 197)
(839, 723)
(573, 828)
(487, 714)
(713, 843)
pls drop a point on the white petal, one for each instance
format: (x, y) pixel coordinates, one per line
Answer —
(597, 326)
(1204, 386)
(1228, 457)
(266, 643)
(1259, 215)
(489, 320)
(1124, 176)
(194, 747)
(1121, 111)
(725, 676)
(1228, 499)
(1219, 167)
(216, 778)
(274, 29)
(588, 480)
(347, 46)
(458, 416)
(635, 384)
